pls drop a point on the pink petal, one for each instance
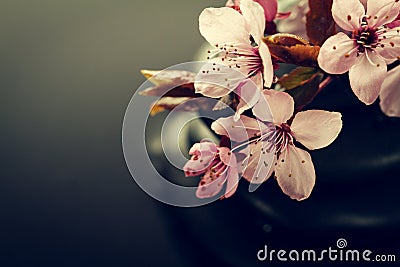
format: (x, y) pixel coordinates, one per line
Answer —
(223, 25)
(270, 8)
(394, 24)
(295, 173)
(367, 76)
(391, 43)
(203, 154)
(316, 128)
(348, 13)
(255, 21)
(257, 166)
(210, 186)
(232, 182)
(216, 80)
(337, 54)
(238, 131)
(268, 68)
(249, 93)
(280, 104)
(390, 93)
(382, 12)
(227, 157)
(283, 15)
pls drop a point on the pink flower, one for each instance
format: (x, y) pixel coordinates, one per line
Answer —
(390, 93)
(370, 46)
(218, 164)
(236, 58)
(293, 167)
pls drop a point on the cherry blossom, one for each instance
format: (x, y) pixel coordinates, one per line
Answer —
(235, 57)
(370, 46)
(219, 166)
(293, 166)
(390, 93)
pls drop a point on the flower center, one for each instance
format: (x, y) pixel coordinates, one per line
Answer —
(366, 38)
(239, 56)
(283, 137)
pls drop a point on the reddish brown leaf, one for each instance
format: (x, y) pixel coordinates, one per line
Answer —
(320, 24)
(288, 48)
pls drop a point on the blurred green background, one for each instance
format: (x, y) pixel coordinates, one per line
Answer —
(68, 71)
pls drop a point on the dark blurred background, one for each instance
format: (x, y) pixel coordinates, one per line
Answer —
(68, 71)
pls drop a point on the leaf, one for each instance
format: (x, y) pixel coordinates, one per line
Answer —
(297, 77)
(184, 90)
(304, 94)
(182, 103)
(320, 24)
(173, 83)
(291, 49)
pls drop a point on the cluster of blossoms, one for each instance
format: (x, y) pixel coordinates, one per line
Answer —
(262, 139)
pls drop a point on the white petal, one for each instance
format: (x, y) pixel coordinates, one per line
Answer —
(268, 68)
(295, 173)
(337, 54)
(316, 128)
(249, 93)
(390, 93)
(238, 130)
(382, 11)
(348, 13)
(391, 44)
(367, 76)
(253, 13)
(223, 25)
(216, 80)
(278, 104)
(257, 167)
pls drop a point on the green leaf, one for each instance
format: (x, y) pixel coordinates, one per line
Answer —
(298, 77)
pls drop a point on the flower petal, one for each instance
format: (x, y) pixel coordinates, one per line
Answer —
(253, 13)
(227, 157)
(210, 186)
(382, 12)
(240, 130)
(270, 8)
(216, 80)
(268, 68)
(390, 93)
(391, 44)
(223, 25)
(232, 182)
(295, 173)
(316, 128)
(257, 166)
(280, 104)
(367, 76)
(203, 154)
(249, 93)
(348, 13)
(337, 54)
